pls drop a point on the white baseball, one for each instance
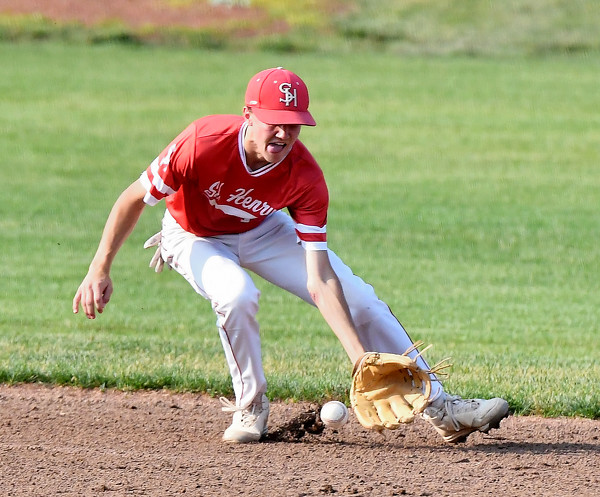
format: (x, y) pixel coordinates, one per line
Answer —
(334, 414)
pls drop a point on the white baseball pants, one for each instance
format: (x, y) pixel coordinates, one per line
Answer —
(215, 267)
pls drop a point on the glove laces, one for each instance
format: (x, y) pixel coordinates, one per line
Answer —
(437, 369)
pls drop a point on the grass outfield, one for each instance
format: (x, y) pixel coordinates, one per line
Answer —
(465, 190)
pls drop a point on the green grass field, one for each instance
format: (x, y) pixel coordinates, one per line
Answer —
(465, 190)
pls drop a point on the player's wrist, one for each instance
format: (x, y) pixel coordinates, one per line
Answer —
(99, 269)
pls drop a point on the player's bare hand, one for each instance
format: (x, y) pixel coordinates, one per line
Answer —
(93, 294)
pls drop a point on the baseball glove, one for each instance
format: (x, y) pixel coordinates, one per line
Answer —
(390, 389)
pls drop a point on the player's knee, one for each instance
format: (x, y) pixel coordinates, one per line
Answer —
(246, 299)
(238, 295)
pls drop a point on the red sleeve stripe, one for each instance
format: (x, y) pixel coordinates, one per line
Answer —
(155, 186)
(312, 237)
(150, 198)
(158, 181)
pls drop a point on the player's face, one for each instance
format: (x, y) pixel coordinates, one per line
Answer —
(268, 143)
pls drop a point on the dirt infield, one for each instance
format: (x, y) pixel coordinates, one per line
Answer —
(67, 441)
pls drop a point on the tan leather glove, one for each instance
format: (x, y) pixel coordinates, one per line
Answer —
(390, 389)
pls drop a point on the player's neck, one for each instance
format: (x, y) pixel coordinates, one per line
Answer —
(254, 160)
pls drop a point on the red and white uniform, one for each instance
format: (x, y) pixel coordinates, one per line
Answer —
(211, 191)
(223, 219)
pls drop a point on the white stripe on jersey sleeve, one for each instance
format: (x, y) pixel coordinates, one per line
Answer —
(149, 199)
(314, 245)
(158, 182)
(310, 230)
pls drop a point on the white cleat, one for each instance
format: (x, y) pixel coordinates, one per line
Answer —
(455, 418)
(249, 424)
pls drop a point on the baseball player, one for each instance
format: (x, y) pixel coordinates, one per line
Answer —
(225, 180)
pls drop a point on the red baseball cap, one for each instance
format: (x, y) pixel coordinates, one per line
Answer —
(278, 96)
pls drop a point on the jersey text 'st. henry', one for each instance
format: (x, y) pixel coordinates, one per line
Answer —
(210, 190)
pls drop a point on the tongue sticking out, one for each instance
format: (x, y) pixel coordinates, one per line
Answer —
(275, 148)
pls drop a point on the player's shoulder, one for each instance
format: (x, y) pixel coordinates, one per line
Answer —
(217, 124)
(305, 170)
(301, 154)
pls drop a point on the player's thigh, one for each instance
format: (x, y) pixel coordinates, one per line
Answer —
(273, 253)
(209, 264)
(213, 270)
(218, 273)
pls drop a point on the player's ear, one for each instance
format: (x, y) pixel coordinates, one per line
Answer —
(247, 112)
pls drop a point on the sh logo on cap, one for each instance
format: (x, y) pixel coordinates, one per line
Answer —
(290, 96)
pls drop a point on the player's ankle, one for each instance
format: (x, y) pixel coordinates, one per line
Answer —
(438, 400)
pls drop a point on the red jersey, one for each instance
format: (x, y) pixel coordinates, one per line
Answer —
(210, 190)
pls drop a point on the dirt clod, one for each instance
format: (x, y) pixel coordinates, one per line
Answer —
(293, 430)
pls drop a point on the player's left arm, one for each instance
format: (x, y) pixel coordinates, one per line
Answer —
(326, 291)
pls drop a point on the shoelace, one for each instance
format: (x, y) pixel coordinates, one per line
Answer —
(228, 406)
(248, 415)
(449, 403)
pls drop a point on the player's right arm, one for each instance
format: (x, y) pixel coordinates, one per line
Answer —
(326, 291)
(96, 288)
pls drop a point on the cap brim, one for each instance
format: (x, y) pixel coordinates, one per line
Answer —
(284, 116)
